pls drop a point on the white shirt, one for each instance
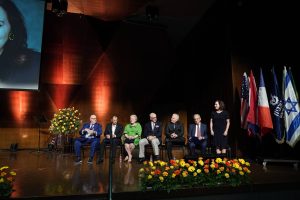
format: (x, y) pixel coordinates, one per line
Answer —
(197, 126)
(113, 128)
(152, 125)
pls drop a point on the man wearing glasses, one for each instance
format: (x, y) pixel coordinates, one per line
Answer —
(152, 135)
(197, 135)
(89, 134)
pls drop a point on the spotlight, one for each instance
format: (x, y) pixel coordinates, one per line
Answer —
(59, 7)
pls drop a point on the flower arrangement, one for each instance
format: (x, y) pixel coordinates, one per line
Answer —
(6, 181)
(160, 175)
(65, 121)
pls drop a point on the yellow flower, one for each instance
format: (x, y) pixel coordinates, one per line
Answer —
(241, 173)
(218, 171)
(198, 171)
(154, 168)
(4, 167)
(171, 167)
(242, 161)
(165, 173)
(195, 173)
(184, 173)
(161, 179)
(151, 164)
(218, 160)
(200, 162)
(1, 180)
(191, 169)
(173, 175)
(226, 175)
(141, 170)
(221, 169)
(149, 176)
(182, 163)
(13, 173)
(247, 164)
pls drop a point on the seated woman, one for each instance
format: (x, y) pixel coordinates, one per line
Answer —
(132, 134)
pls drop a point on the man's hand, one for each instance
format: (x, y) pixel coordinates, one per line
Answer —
(107, 136)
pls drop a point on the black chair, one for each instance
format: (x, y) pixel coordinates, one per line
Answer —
(120, 147)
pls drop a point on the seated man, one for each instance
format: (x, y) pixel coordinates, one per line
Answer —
(89, 133)
(174, 134)
(113, 131)
(152, 135)
(197, 135)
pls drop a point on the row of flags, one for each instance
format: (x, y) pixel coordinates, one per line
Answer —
(279, 113)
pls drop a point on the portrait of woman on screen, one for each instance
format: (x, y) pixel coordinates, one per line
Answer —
(19, 65)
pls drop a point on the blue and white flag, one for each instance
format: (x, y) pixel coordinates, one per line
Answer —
(277, 109)
(291, 111)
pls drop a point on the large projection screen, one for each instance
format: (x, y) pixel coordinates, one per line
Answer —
(21, 30)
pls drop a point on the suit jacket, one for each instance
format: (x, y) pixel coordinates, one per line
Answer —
(178, 129)
(155, 132)
(192, 130)
(118, 131)
(97, 127)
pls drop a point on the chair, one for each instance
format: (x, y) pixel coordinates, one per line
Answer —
(120, 147)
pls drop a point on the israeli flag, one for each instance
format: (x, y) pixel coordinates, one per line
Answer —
(291, 111)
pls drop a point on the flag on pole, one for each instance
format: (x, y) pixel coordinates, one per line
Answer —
(244, 101)
(252, 114)
(291, 111)
(264, 115)
(293, 82)
(277, 109)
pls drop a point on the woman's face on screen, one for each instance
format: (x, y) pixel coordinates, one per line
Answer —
(4, 28)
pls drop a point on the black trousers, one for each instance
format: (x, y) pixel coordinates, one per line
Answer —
(115, 143)
(173, 141)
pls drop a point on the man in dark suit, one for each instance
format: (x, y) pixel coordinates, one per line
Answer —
(197, 135)
(174, 134)
(89, 133)
(151, 135)
(113, 133)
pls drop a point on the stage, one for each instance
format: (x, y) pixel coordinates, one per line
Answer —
(53, 175)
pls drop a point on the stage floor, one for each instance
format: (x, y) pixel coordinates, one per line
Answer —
(52, 174)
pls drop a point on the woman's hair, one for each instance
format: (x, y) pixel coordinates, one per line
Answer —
(222, 104)
(18, 41)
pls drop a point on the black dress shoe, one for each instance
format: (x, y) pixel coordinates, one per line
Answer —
(156, 158)
(99, 161)
(141, 160)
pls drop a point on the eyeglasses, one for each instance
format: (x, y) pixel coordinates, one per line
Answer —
(93, 118)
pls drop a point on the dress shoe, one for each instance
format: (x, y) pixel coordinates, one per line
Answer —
(78, 161)
(141, 160)
(90, 161)
(100, 161)
(156, 158)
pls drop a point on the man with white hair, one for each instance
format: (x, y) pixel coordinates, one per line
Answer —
(152, 135)
(174, 134)
(89, 133)
(197, 135)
